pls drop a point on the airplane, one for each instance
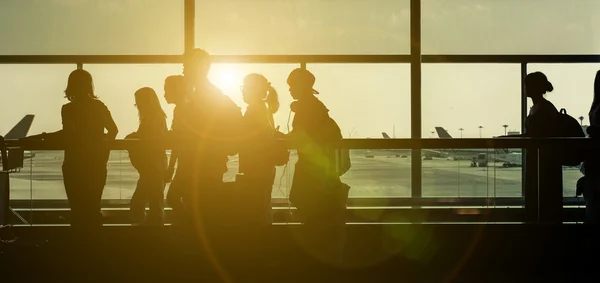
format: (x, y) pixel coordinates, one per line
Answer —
(427, 153)
(509, 158)
(480, 157)
(19, 131)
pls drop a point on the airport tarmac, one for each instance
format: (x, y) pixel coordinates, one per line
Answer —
(377, 176)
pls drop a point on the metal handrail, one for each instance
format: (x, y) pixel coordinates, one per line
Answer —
(493, 143)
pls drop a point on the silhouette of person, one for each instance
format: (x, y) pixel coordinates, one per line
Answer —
(541, 123)
(591, 165)
(84, 120)
(316, 190)
(214, 135)
(177, 92)
(149, 159)
(255, 162)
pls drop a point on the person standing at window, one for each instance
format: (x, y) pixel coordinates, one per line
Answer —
(149, 159)
(85, 119)
(256, 161)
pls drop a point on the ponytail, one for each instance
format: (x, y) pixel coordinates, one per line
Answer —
(272, 99)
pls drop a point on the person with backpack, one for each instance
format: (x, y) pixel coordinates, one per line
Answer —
(212, 134)
(316, 190)
(259, 150)
(544, 120)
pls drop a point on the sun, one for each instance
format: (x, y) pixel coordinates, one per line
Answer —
(226, 77)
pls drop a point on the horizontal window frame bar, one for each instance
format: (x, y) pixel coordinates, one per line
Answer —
(298, 59)
(466, 143)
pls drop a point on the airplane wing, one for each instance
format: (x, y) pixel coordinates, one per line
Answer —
(21, 129)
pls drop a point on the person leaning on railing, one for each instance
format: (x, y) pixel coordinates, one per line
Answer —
(84, 120)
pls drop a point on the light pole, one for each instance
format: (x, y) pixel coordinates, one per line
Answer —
(505, 127)
(581, 119)
(461, 131)
(480, 128)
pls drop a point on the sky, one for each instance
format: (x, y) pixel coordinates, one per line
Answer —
(365, 99)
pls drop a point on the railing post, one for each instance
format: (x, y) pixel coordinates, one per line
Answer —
(415, 95)
(531, 185)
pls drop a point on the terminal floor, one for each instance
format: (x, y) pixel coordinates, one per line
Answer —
(375, 253)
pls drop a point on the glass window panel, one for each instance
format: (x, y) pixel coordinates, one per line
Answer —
(366, 99)
(96, 27)
(510, 27)
(303, 27)
(574, 91)
(457, 100)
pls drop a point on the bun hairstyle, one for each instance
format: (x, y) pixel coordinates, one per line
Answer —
(539, 81)
(271, 98)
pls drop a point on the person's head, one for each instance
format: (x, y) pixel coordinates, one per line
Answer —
(196, 64)
(80, 85)
(301, 83)
(147, 103)
(176, 89)
(537, 84)
(258, 89)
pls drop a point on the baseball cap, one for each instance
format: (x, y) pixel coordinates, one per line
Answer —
(301, 76)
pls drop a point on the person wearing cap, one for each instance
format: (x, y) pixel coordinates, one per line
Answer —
(214, 121)
(315, 182)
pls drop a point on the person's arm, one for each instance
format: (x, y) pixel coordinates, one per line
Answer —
(109, 125)
(66, 121)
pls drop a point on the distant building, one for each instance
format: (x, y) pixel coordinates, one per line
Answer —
(513, 133)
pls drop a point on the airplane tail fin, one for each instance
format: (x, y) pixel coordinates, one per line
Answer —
(385, 135)
(21, 129)
(442, 133)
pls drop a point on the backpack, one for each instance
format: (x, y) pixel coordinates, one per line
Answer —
(569, 127)
(280, 155)
(342, 155)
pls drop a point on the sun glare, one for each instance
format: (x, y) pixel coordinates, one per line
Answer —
(226, 77)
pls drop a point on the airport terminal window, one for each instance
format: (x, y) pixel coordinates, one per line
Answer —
(471, 101)
(367, 100)
(509, 27)
(32, 89)
(70, 27)
(574, 91)
(303, 27)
